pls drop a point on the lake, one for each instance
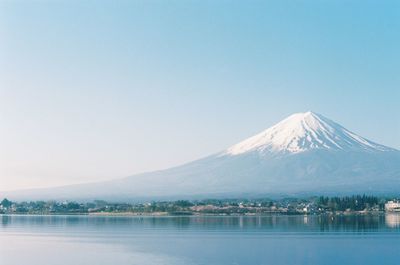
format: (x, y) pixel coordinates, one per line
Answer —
(211, 240)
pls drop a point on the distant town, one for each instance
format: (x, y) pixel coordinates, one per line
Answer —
(314, 205)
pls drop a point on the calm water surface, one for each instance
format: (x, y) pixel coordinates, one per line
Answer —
(275, 240)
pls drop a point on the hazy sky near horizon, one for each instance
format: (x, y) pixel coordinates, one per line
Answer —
(95, 90)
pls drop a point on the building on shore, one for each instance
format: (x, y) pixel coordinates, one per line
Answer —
(392, 206)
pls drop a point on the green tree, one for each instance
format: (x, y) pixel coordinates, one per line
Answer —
(6, 203)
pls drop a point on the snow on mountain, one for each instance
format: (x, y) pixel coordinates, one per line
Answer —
(302, 132)
(305, 153)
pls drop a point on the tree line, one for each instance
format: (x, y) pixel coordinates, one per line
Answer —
(352, 203)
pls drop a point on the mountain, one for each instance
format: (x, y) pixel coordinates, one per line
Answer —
(305, 154)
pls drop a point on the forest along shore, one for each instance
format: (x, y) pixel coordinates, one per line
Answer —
(357, 204)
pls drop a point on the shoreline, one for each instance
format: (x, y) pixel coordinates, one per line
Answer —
(166, 214)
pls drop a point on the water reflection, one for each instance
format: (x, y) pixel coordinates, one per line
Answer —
(199, 240)
(392, 220)
(5, 219)
(323, 223)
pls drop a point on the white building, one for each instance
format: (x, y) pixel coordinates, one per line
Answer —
(392, 206)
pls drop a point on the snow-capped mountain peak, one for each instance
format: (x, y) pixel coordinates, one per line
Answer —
(301, 132)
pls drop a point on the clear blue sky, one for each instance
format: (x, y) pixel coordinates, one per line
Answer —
(94, 90)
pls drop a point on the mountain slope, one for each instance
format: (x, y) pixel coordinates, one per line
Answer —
(304, 154)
